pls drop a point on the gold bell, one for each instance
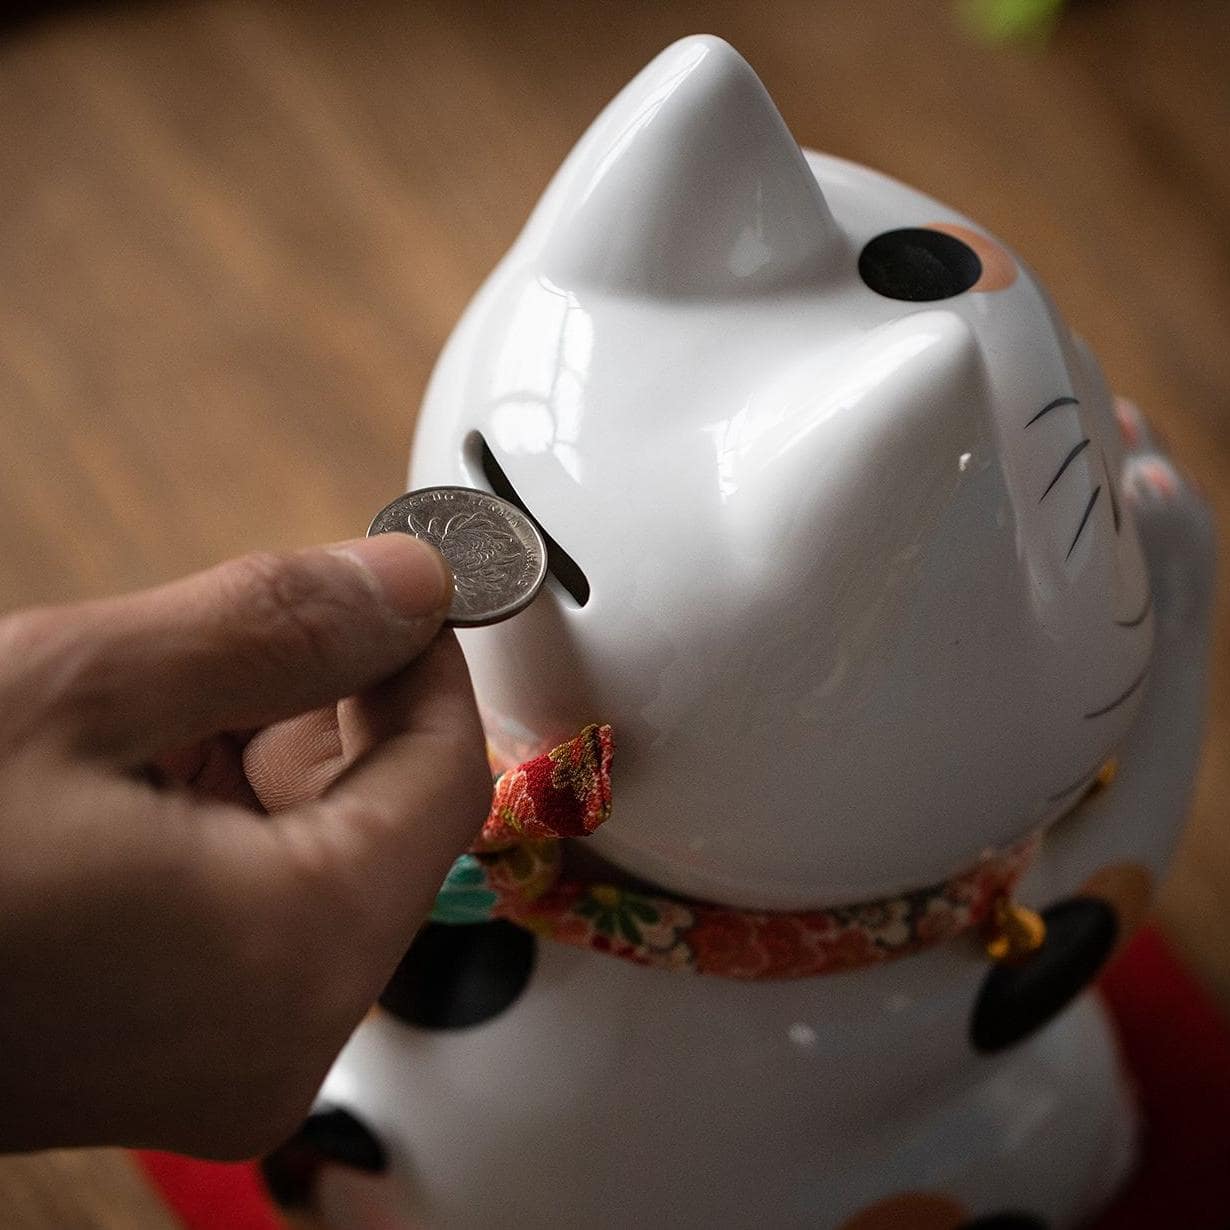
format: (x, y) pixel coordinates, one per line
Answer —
(1014, 932)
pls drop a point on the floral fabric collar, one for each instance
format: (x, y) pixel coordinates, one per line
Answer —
(515, 872)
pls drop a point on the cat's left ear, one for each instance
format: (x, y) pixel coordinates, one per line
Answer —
(689, 183)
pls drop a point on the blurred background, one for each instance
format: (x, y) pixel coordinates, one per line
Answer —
(235, 235)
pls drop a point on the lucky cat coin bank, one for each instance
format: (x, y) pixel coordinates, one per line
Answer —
(885, 627)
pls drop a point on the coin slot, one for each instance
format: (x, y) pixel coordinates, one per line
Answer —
(560, 564)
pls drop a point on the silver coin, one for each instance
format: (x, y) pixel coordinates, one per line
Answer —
(497, 554)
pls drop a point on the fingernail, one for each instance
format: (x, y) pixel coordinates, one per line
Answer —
(411, 575)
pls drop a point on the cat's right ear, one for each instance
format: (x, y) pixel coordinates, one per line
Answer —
(688, 184)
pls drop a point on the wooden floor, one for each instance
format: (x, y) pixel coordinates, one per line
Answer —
(233, 237)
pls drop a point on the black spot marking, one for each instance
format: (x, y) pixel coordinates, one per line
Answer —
(327, 1136)
(1016, 1000)
(454, 976)
(1005, 1221)
(918, 265)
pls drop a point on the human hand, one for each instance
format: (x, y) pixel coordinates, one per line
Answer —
(179, 969)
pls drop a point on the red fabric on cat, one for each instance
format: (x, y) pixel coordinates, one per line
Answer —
(565, 792)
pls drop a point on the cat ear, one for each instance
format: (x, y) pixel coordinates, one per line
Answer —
(689, 183)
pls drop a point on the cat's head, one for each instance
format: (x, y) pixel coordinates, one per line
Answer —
(840, 548)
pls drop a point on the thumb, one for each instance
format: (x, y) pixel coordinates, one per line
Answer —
(254, 640)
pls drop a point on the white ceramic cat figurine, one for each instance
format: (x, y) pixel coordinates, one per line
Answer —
(856, 557)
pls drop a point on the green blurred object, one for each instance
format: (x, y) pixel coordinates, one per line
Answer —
(1002, 21)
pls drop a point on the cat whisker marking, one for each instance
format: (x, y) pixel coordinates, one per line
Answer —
(1067, 461)
(1139, 619)
(1119, 700)
(1085, 779)
(1080, 529)
(1053, 405)
(1114, 502)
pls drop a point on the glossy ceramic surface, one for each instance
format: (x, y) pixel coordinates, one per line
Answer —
(620, 1098)
(829, 580)
(873, 584)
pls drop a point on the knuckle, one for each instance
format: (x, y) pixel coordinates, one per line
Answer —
(269, 584)
(303, 609)
(24, 640)
(19, 630)
(19, 641)
(44, 670)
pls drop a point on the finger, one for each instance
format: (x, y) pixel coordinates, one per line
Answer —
(398, 816)
(251, 642)
(297, 760)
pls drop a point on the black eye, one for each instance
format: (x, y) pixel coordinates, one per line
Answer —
(918, 265)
